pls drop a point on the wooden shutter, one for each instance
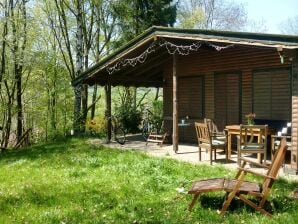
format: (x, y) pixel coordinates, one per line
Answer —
(272, 94)
(227, 99)
(190, 96)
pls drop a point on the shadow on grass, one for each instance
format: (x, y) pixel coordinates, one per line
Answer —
(276, 205)
(44, 150)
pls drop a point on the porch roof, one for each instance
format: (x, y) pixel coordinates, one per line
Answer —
(147, 72)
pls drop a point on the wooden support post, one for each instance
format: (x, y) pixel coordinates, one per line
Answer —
(108, 113)
(175, 105)
(294, 148)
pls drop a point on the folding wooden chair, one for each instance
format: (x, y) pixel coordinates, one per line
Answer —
(238, 187)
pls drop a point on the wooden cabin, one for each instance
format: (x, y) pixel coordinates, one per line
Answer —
(210, 74)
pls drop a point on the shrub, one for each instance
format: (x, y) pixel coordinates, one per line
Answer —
(96, 126)
(157, 114)
(129, 117)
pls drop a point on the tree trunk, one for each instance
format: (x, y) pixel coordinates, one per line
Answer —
(93, 102)
(19, 105)
(108, 112)
(77, 109)
(79, 68)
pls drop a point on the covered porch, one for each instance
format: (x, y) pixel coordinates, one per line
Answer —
(209, 74)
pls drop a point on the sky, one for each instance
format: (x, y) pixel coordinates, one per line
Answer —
(272, 12)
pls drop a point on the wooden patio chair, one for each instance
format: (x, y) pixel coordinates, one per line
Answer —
(285, 132)
(208, 141)
(158, 137)
(238, 187)
(218, 135)
(252, 143)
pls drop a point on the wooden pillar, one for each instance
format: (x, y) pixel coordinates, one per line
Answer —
(108, 112)
(175, 105)
(294, 152)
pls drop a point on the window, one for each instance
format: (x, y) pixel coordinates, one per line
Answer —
(272, 94)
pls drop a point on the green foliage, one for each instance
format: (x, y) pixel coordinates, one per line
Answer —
(129, 117)
(72, 181)
(96, 126)
(157, 115)
(138, 15)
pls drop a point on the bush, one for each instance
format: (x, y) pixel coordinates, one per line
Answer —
(157, 115)
(129, 118)
(96, 126)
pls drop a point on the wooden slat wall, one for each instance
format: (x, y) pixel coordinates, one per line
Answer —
(209, 96)
(272, 94)
(227, 99)
(209, 62)
(190, 96)
(246, 93)
(294, 154)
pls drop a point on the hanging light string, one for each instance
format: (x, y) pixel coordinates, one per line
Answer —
(171, 49)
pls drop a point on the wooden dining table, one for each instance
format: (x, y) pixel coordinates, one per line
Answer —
(235, 130)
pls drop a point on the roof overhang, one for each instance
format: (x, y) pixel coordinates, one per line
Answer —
(134, 47)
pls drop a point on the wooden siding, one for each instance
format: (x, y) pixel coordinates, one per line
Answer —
(227, 99)
(246, 93)
(209, 96)
(208, 63)
(294, 153)
(272, 94)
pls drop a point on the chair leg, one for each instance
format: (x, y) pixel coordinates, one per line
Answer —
(210, 156)
(232, 195)
(215, 154)
(200, 153)
(195, 197)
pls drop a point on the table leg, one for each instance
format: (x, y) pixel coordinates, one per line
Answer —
(259, 154)
(229, 145)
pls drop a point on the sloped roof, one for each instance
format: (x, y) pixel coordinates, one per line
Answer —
(224, 37)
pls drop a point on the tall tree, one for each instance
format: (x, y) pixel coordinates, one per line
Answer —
(138, 15)
(212, 14)
(290, 26)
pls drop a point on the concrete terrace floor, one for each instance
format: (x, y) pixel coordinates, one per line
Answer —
(187, 153)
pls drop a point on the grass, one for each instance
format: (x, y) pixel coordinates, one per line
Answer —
(74, 182)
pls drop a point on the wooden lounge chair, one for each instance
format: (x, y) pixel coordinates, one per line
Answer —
(158, 137)
(238, 187)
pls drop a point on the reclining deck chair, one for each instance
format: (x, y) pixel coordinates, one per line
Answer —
(238, 187)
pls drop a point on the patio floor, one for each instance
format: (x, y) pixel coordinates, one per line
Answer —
(187, 153)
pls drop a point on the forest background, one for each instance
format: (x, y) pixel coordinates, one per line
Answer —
(44, 45)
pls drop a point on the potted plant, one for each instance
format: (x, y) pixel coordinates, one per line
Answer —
(250, 118)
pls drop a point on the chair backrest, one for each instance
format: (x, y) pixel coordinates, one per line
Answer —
(203, 133)
(212, 126)
(249, 132)
(276, 164)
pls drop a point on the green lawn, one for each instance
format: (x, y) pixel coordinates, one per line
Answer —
(73, 182)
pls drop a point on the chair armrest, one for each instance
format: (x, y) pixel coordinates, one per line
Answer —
(215, 134)
(255, 173)
(280, 137)
(254, 163)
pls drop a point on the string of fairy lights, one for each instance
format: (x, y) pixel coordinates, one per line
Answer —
(171, 49)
